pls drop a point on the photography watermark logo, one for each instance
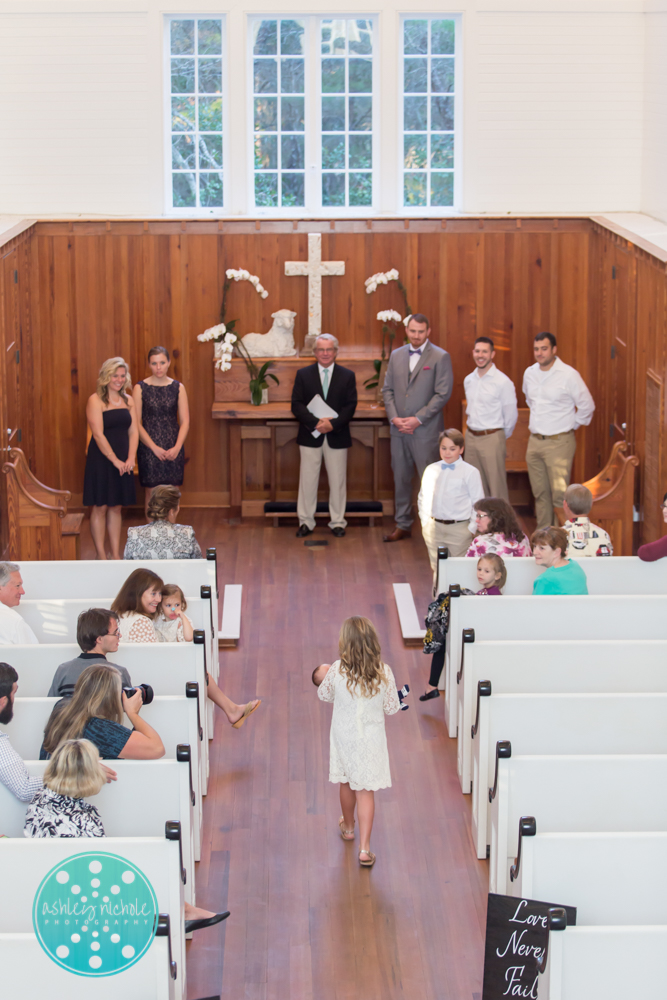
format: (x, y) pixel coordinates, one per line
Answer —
(95, 914)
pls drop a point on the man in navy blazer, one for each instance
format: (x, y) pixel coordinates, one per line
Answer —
(337, 386)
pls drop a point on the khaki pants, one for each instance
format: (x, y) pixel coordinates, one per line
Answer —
(335, 460)
(487, 453)
(456, 537)
(549, 462)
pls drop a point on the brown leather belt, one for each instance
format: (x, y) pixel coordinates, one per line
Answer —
(494, 430)
(440, 521)
(548, 437)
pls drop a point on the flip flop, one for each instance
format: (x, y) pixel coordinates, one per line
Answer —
(248, 710)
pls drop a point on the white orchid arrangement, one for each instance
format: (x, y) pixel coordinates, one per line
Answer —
(389, 316)
(242, 275)
(223, 333)
(381, 278)
(390, 320)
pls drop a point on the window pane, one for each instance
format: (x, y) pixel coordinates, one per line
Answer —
(293, 189)
(266, 152)
(442, 151)
(292, 151)
(183, 152)
(182, 114)
(182, 76)
(361, 189)
(210, 151)
(266, 114)
(210, 76)
(415, 37)
(333, 152)
(442, 189)
(442, 38)
(361, 114)
(414, 189)
(333, 189)
(442, 76)
(266, 190)
(361, 152)
(182, 38)
(414, 151)
(210, 114)
(414, 114)
(292, 76)
(210, 190)
(442, 114)
(360, 37)
(415, 76)
(361, 76)
(333, 76)
(209, 35)
(333, 38)
(265, 76)
(291, 38)
(266, 38)
(291, 114)
(333, 114)
(184, 191)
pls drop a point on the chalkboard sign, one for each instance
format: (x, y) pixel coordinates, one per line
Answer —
(516, 936)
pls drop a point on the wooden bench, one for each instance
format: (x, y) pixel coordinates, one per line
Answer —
(39, 526)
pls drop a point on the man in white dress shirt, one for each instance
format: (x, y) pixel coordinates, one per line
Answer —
(491, 418)
(13, 630)
(559, 402)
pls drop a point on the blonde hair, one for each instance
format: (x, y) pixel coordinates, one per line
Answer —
(107, 372)
(498, 567)
(163, 500)
(97, 693)
(361, 656)
(173, 590)
(74, 770)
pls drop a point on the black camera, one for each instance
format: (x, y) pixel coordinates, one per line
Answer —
(147, 692)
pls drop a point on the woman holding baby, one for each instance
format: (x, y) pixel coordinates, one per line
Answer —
(363, 690)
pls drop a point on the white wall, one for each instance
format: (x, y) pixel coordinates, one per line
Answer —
(654, 174)
(552, 105)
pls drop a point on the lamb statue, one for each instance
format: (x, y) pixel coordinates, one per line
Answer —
(278, 342)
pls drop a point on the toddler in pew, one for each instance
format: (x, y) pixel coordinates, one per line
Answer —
(59, 809)
(492, 574)
(172, 624)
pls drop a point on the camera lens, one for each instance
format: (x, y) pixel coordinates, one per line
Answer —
(147, 692)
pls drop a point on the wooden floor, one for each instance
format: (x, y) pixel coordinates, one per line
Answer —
(306, 921)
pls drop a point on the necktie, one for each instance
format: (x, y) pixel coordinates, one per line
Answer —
(325, 382)
(443, 465)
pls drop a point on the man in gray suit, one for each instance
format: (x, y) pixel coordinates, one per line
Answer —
(418, 384)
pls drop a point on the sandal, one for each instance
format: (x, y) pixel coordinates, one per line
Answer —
(371, 859)
(345, 834)
(248, 710)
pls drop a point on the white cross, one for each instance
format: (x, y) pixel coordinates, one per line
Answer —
(314, 269)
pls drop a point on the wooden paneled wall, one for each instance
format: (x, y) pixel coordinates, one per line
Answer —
(86, 291)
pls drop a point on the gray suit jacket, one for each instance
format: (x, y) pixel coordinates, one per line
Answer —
(422, 393)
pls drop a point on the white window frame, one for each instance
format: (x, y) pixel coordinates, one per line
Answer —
(438, 211)
(313, 123)
(216, 210)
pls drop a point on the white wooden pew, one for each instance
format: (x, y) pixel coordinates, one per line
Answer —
(26, 862)
(558, 724)
(166, 666)
(545, 667)
(147, 795)
(605, 963)
(174, 718)
(574, 794)
(611, 878)
(615, 575)
(574, 617)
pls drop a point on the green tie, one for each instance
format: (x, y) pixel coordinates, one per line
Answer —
(325, 382)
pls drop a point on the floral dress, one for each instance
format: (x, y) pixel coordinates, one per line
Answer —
(498, 543)
(358, 742)
(53, 815)
(162, 540)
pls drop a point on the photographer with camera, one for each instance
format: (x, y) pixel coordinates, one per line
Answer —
(95, 713)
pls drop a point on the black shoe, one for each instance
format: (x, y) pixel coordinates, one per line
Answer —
(303, 531)
(429, 694)
(197, 925)
(338, 532)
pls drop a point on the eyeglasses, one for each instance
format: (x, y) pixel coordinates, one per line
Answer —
(663, 506)
(115, 634)
(479, 515)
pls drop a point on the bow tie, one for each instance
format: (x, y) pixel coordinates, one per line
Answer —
(443, 465)
(414, 352)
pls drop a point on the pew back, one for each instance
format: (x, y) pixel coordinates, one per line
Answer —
(613, 963)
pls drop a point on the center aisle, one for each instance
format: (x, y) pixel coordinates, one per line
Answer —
(307, 921)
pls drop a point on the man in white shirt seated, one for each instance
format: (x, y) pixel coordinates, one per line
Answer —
(559, 402)
(13, 630)
(491, 418)
(583, 537)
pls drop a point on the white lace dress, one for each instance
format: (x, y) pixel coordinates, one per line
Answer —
(358, 743)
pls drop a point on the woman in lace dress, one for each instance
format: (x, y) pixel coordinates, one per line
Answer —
(163, 416)
(136, 605)
(363, 691)
(162, 538)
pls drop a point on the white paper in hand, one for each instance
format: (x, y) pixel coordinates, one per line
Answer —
(320, 409)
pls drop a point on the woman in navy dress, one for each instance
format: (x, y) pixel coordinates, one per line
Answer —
(108, 483)
(163, 419)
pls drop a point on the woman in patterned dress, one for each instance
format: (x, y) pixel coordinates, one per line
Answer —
(164, 421)
(162, 538)
(59, 809)
(498, 531)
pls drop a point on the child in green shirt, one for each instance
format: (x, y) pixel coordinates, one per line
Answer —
(562, 576)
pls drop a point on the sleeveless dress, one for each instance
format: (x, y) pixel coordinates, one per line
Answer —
(159, 416)
(102, 482)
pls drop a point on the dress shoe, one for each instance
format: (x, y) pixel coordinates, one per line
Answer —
(429, 694)
(397, 534)
(338, 532)
(197, 925)
(303, 531)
